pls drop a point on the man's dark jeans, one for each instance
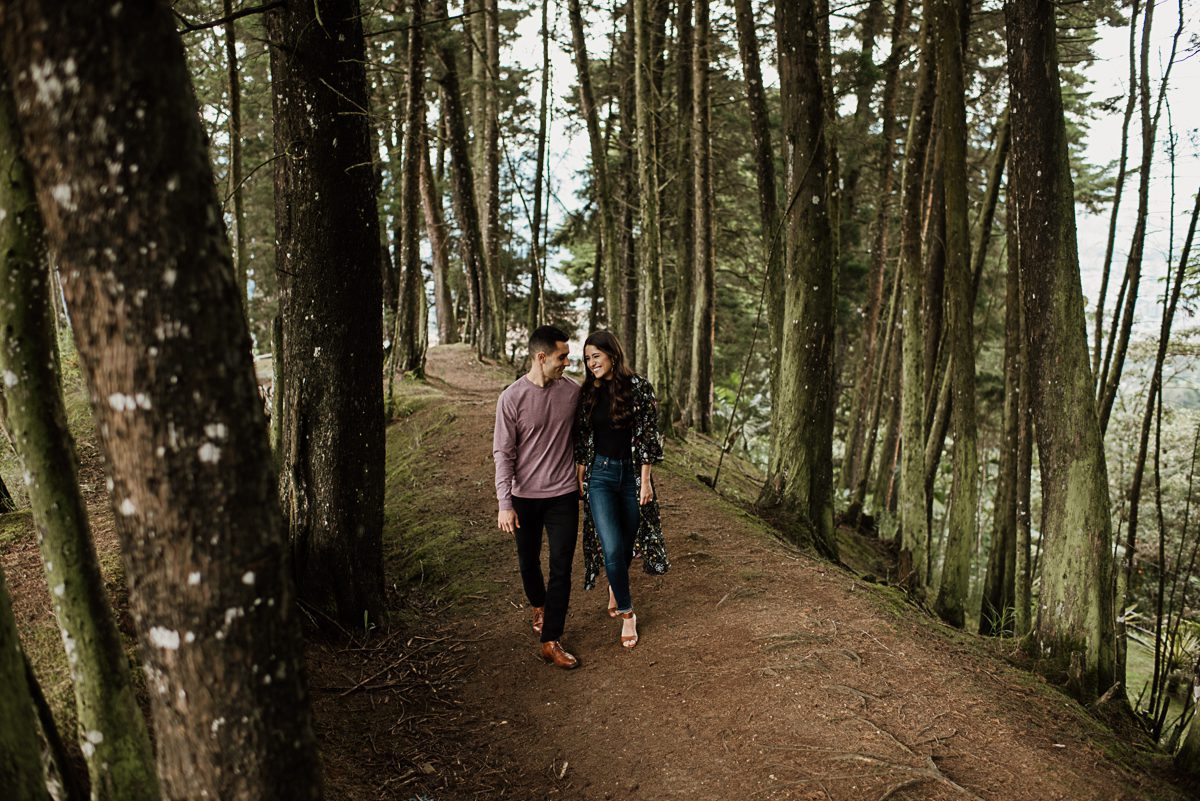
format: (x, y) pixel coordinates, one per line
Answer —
(560, 518)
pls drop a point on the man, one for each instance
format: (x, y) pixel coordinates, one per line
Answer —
(536, 486)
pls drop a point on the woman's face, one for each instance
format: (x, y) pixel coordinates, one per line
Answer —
(598, 362)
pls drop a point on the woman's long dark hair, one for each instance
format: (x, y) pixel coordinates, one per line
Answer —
(621, 397)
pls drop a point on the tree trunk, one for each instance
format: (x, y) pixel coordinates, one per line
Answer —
(235, 151)
(764, 174)
(627, 70)
(799, 486)
(1118, 190)
(685, 256)
(112, 732)
(330, 299)
(1153, 399)
(854, 145)
(463, 187)
(658, 368)
(964, 491)
(600, 179)
(914, 525)
(1075, 622)
(439, 247)
(490, 184)
(700, 394)
(408, 338)
(537, 304)
(854, 474)
(1023, 617)
(190, 478)
(999, 582)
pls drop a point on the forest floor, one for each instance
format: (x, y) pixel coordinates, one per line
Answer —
(762, 672)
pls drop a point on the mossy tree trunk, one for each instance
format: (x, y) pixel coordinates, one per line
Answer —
(331, 296)
(439, 247)
(165, 351)
(964, 490)
(408, 340)
(1074, 629)
(799, 486)
(683, 305)
(914, 524)
(112, 732)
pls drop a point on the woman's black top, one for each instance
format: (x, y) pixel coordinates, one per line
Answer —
(615, 443)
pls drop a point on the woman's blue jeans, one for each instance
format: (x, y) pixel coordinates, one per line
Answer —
(612, 496)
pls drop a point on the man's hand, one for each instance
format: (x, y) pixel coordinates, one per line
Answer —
(507, 521)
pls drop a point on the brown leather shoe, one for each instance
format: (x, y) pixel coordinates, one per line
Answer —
(553, 652)
(539, 616)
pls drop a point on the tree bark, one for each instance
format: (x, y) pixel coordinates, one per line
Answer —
(190, 480)
(799, 487)
(408, 337)
(600, 179)
(330, 298)
(1074, 629)
(682, 306)
(853, 474)
(658, 367)
(112, 732)
(627, 105)
(439, 247)
(999, 583)
(463, 188)
(700, 391)
(235, 151)
(1118, 190)
(914, 525)
(537, 304)
(964, 491)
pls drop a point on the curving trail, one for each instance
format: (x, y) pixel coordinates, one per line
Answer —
(761, 673)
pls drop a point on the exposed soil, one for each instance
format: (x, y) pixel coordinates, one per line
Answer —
(761, 673)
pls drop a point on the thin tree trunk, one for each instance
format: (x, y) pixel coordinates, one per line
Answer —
(627, 59)
(658, 368)
(1133, 271)
(880, 384)
(799, 487)
(1122, 162)
(914, 526)
(599, 158)
(885, 485)
(853, 475)
(190, 478)
(999, 583)
(490, 218)
(685, 256)
(700, 392)
(537, 304)
(854, 145)
(112, 731)
(964, 491)
(408, 336)
(235, 151)
(331, 295)
(1075, 622)
(1153, 394)
(439, 247)
(463, 187)
(764, 174)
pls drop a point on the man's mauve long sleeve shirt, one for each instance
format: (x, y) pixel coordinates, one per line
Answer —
(532, 443)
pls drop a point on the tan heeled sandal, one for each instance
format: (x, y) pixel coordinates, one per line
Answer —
(629, 640)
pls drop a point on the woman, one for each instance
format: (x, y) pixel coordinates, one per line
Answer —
(616, 442)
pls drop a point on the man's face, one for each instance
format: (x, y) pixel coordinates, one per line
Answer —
(555, 363)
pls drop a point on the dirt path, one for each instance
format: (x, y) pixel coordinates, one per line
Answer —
(761, 673)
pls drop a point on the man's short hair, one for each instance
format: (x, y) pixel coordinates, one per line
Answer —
(545, 339)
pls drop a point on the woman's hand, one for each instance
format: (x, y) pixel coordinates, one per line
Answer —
(647, 493)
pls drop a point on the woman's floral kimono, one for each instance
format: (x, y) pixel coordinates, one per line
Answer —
(646, 447)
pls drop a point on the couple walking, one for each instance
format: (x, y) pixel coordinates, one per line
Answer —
(556, 442)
